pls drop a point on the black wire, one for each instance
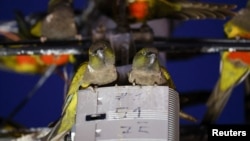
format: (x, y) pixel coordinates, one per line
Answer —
(37, 42)
(27, 98)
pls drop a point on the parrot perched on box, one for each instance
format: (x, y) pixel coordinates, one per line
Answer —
(99, 70)
(234, 65)
(146, 70)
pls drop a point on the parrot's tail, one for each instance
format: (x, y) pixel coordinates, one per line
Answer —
(199, 10)
(215, 104)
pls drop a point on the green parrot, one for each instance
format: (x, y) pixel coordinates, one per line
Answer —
(238, 25)
(59, 23)
(178, 9)
(234, 65)
(99, 70)
(146, 70)
(144, 10)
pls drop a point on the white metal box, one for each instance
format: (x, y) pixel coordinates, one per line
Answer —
(127, 113)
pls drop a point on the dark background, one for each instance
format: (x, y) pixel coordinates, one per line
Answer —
(196, 73)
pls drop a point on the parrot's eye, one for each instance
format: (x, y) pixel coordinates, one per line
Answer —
(149, 53)
(100, 49)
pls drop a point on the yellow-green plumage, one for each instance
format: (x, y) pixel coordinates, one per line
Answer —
(146, 70)
(187, 9)
(233, 70)
(99, 70)
(238, 26)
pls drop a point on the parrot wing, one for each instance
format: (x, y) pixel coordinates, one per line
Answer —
(186, 10)
(67, 119)
(99, 70)
(180, 9)
(168, 78)
(232, 73)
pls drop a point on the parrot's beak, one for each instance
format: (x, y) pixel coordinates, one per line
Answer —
(152, 58)
(100, 54)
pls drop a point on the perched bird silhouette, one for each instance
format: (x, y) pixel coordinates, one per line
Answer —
(59, 23)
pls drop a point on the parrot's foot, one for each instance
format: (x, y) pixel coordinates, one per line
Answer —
(93, 89)
(237, 38)
(68, 136)
(43, 39)
(78, 37)
(133, 83)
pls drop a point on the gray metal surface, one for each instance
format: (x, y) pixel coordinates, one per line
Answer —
(128, 113)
